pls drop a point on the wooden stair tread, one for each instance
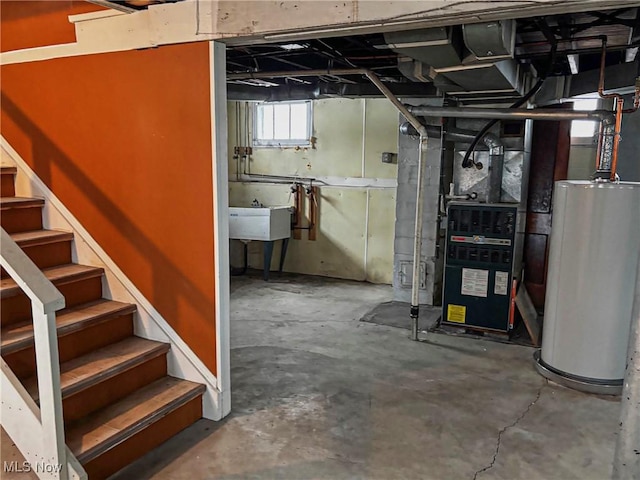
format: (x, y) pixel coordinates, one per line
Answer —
(57, 274)
(82, 372)
(20, 202)
(93, 435)
(20, 335)
(8, 170)
(40, 237)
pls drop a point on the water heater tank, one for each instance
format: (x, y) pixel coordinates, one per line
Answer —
(595, 243)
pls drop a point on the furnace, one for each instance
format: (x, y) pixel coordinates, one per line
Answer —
(482, 265)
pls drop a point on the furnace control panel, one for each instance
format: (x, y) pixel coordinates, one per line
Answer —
(480, 254)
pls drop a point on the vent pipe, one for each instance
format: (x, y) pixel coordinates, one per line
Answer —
(511, 113)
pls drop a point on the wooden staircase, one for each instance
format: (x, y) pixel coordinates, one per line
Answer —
(118, 400)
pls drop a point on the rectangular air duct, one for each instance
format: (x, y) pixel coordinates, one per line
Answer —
(437, 47)
(491, 40)
(504, 76)
(477, 64)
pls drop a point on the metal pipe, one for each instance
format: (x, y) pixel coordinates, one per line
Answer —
(407, 129)
(406, 113)
(636, 98)
(417, 238)
(511, 113)
(626, 461)
(603, 116)
(619, 110)
(603, 58)
(616, 138)
(422, 171)
(453, 135)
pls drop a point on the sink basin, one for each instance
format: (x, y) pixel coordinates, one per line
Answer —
(263, 223)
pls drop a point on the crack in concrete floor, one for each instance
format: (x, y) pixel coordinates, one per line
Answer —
(511, 425)
(325, 396)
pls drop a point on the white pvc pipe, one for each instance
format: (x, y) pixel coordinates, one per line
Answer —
(417, 237)
(422, 171)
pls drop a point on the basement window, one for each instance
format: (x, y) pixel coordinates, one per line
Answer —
(584, 128)
(282, 124)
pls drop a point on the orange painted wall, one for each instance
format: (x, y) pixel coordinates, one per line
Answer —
(35, 23)
(124, 140)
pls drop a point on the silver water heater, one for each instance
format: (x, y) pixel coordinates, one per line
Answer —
(595, 243)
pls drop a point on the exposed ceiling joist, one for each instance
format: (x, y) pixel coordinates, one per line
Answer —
(578, 39)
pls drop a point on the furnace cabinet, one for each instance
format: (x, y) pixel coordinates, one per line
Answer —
(483, 258)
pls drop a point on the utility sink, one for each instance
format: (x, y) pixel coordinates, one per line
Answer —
(259, 223)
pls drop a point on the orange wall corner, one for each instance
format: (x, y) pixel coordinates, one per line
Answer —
(37, 23)
(124, 140)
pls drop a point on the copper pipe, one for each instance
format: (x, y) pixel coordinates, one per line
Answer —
(297, 234)
(619, 109)
(616, 138)
(603, 58)
(636, 99)
(313, 213)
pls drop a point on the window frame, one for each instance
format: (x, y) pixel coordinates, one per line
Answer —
(282, 142)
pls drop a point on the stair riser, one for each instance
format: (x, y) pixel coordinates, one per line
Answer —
(26, 219)
(47, 255)
(136, 446)
(7, 185)
(114, 388)
(18, 307)
(74, 344)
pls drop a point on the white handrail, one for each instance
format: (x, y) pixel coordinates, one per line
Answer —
(29, 277)
(45, 301)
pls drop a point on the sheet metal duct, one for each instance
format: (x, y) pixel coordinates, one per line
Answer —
(491, 40)
(504, 76)
(437, 47)
(620, 79)
(440, 56)
(414, 70)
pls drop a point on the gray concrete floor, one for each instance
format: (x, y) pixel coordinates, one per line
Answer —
(319, 395)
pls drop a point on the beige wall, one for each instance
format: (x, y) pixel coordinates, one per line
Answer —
(356, 224)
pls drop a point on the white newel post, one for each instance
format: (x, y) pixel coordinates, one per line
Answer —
(48, 368)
